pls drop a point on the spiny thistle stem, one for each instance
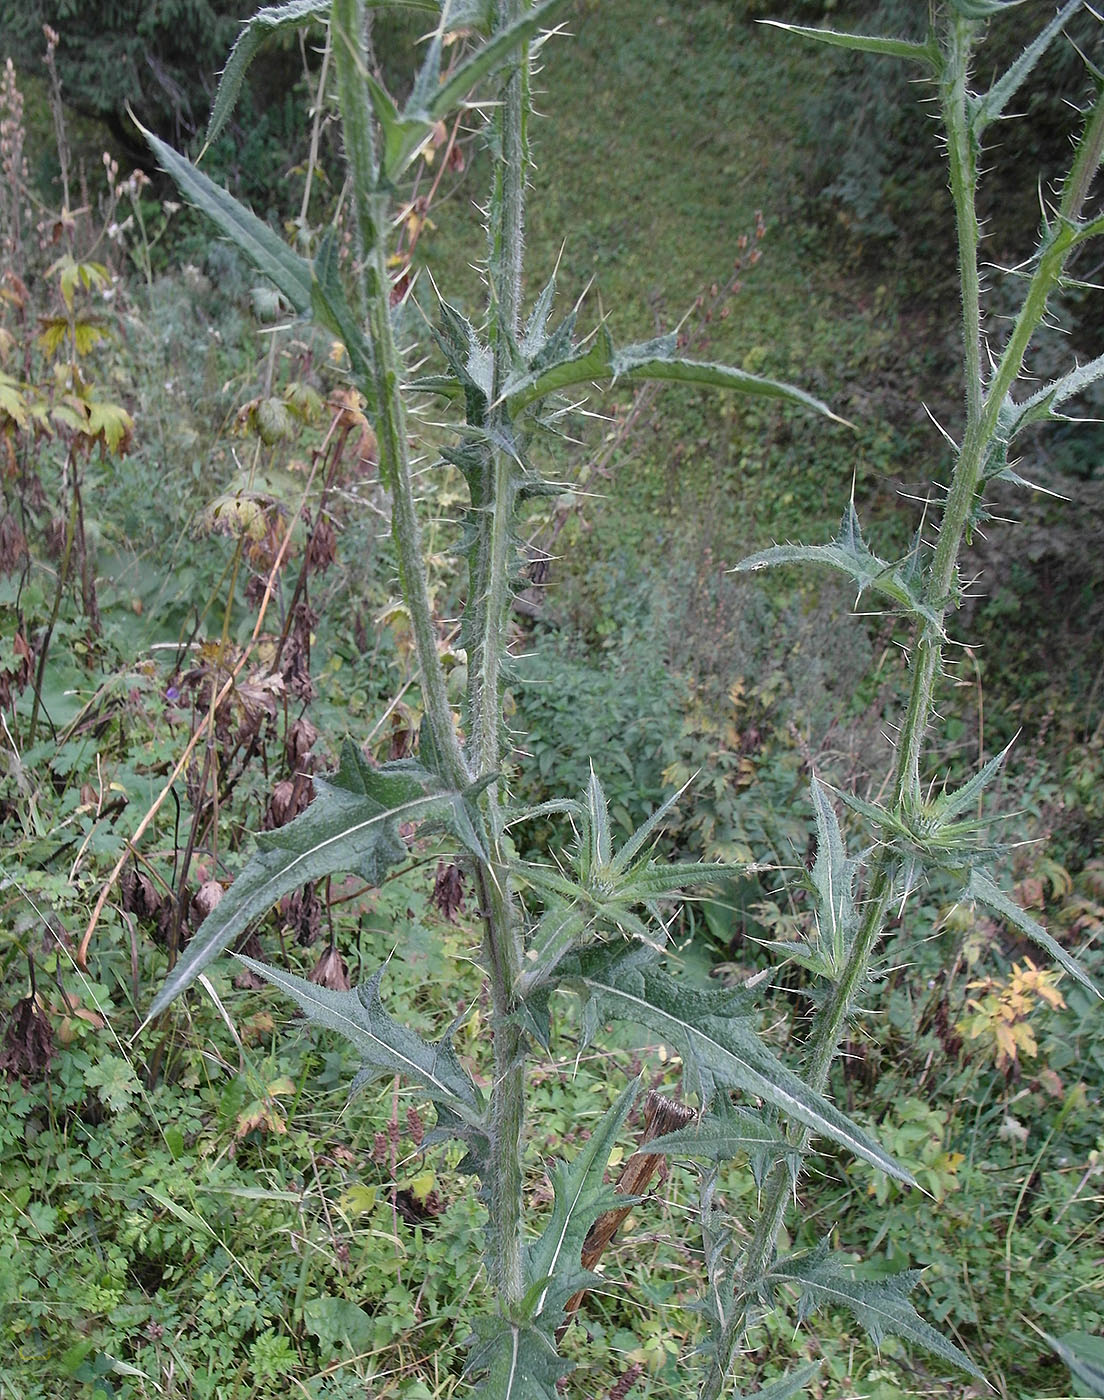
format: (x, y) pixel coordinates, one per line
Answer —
(504, 945)
(372, 210)
(983, 405)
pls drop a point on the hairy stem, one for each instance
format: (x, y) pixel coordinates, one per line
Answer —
(504, 945)
(983, 405)
(373, 204)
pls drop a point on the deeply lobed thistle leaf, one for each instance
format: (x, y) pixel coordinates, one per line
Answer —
(881, 1306)
(850, 553)
(351, 826)
(514, 1361)
(554, 1269)
(715, 1035)
(385, 1046)
(730, 1131)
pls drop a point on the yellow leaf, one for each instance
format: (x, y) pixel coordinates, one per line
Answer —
(421, 1185)
(358, 1199)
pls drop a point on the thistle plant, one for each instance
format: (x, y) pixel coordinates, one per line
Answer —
(593, 927)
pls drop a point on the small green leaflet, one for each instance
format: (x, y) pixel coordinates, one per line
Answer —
(385, 1046)
(850, 553)
(580, 1197)
(716, 1038)
(351, 826)
(881, 1306)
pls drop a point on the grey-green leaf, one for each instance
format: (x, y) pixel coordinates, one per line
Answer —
(385, 1046)
(982, 888)
(264, 248)
(794, 1383)
(728, 1132)
(716, 1037)
(580, 1196)
(850, 553)
(833, 877)
(881, 1306)
(515, 1361)
(952, 804)
(651, 360)
(1084, 1355)
(993, 104)
(333, 311)
(1040, 407)
(489, 57)
(261, 26)
(865, 43)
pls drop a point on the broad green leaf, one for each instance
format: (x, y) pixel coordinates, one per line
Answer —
(992, 105)
(715, 1035)
(339, 1322)
(580, 1196)
(384, 1045)
(264, 248)
(352, 825)
(294, 14)
(866, 43)
(514, 1361)
(850, 553)
(1084, 1355)
(881, 1306)
(982, 888)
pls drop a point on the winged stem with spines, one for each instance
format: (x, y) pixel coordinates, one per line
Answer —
(593, 928)
(912, 836)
